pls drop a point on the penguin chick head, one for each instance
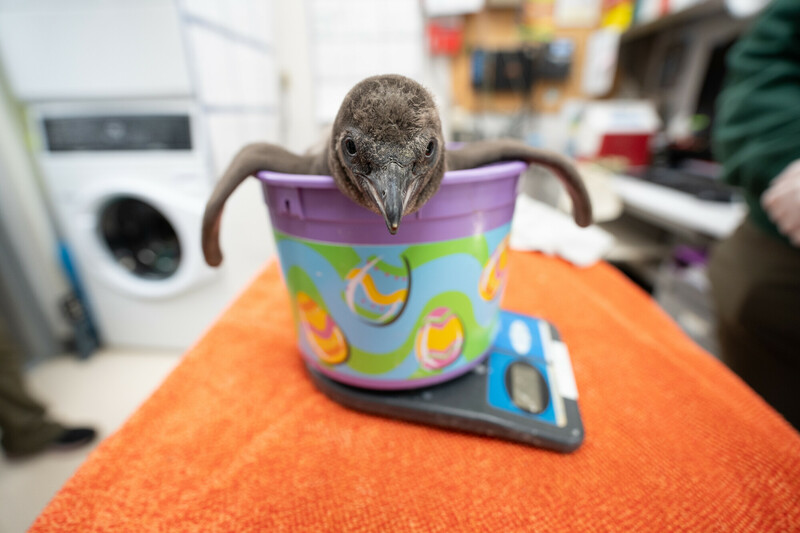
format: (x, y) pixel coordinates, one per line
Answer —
(387, 149)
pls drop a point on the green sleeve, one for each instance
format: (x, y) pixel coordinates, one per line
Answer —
(757, 123)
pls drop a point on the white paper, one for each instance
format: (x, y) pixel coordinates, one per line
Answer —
(577, 13)
(447, 8)
(600, 64)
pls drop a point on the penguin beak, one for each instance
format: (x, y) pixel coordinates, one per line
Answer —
(388, 186)
(393, 207)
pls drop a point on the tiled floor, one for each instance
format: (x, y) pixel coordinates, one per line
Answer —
(102, 391)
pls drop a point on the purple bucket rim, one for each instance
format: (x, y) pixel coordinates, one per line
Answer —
(452, 177)
(394, 384)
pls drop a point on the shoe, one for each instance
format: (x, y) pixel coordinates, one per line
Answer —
(67, 439)
(74, 438)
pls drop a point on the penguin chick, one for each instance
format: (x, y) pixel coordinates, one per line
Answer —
(386, 149)
(386, 153)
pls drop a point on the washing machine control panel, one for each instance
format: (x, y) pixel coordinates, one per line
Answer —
(118, 132)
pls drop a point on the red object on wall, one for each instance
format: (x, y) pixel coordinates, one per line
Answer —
(635, 147)
(445, 38)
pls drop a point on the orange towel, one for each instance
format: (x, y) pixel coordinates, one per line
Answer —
(237, 439)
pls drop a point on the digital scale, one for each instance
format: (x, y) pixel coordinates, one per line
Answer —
(524, 391)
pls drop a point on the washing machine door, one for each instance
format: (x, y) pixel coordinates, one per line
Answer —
(141, 239)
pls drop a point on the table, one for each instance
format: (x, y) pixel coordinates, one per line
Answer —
(657, 219)
(676, 210)
(237, 439)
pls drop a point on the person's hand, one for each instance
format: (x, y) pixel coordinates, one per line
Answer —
(782, 202)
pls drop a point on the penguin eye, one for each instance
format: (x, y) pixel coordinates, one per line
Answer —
(429, 149)
(350, 146)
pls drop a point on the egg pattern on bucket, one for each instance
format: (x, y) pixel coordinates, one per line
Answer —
(324, 336)
(377, 291)
(395, 314)
(440, 339)
(495, 273)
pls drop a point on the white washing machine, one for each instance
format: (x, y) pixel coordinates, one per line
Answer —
(128, 182)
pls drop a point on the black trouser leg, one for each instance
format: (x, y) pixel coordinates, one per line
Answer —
(756, 286)
(23, 421)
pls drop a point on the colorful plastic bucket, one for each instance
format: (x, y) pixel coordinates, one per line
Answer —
(401, 311)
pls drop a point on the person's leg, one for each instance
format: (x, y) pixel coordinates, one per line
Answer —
(756, 287)
(23, 421)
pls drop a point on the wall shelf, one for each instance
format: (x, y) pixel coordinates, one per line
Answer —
(692, 14)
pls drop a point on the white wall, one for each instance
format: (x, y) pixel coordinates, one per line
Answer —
(117, 49)
(325, 47)
(299, 127)
(231, 49)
